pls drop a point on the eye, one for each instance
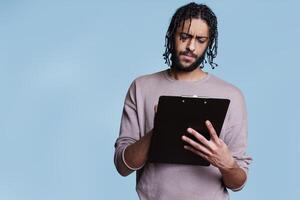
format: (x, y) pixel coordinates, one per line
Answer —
(201, 40)
(184, 36)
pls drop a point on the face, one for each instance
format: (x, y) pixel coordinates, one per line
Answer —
(190, 45)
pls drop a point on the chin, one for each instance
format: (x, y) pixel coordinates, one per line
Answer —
(186, 65)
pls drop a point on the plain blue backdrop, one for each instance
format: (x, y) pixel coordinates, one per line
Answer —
(65, 67)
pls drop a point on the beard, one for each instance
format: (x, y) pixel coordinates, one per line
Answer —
(179, 67)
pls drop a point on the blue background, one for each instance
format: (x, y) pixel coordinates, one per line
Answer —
(65, 67)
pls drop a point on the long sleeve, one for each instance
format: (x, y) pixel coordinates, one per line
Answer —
(236, 134)
(129, 129)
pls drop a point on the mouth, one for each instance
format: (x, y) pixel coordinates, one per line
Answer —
(188, 58)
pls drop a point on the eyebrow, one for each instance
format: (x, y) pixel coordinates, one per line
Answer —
(198, 37)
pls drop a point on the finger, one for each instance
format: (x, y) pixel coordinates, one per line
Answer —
(211, 130)
(195, 151)
(155, 108)
(199, 137)
(196, 145)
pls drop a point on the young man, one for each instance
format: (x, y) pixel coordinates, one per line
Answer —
(191, 41)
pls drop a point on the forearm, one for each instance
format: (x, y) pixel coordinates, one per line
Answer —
(233, 177)
(136, 154)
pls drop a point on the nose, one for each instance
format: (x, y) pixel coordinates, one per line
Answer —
(191, 45)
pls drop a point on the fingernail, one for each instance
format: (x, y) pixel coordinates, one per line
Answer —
(207, 122)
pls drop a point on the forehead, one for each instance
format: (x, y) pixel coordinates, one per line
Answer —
(194, 27)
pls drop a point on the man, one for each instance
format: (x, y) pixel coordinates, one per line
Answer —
(191, 39)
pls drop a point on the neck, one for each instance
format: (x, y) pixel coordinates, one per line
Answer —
(194, 75)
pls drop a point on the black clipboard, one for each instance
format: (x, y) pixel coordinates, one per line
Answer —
(174, 115)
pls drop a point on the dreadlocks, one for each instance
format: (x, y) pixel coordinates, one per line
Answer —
(189, 11)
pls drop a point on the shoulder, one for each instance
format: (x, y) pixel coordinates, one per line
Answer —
(146, 82)
(226, 87)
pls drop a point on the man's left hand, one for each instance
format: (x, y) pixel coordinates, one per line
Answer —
(214, 150)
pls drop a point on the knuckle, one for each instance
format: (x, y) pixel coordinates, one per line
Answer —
(214, 150)
(194, 132)
(189, 140)
(192, 142)
(209, 155)
(197, 146)
(221, 142)
(199, 138)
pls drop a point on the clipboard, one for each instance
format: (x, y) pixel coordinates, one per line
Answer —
(174, 115)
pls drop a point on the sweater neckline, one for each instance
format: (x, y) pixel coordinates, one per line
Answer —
(170, 78)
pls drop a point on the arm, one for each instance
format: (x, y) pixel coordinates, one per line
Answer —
(136, 154)
(129, 132)
(131, 147)
(234, 177)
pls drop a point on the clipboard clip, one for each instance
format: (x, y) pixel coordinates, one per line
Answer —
(194, 96)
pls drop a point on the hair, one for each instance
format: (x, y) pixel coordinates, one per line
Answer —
(195, 11)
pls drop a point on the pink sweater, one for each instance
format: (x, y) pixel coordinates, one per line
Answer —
(172, 181)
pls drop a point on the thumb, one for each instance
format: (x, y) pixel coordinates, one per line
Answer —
(155, 108)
